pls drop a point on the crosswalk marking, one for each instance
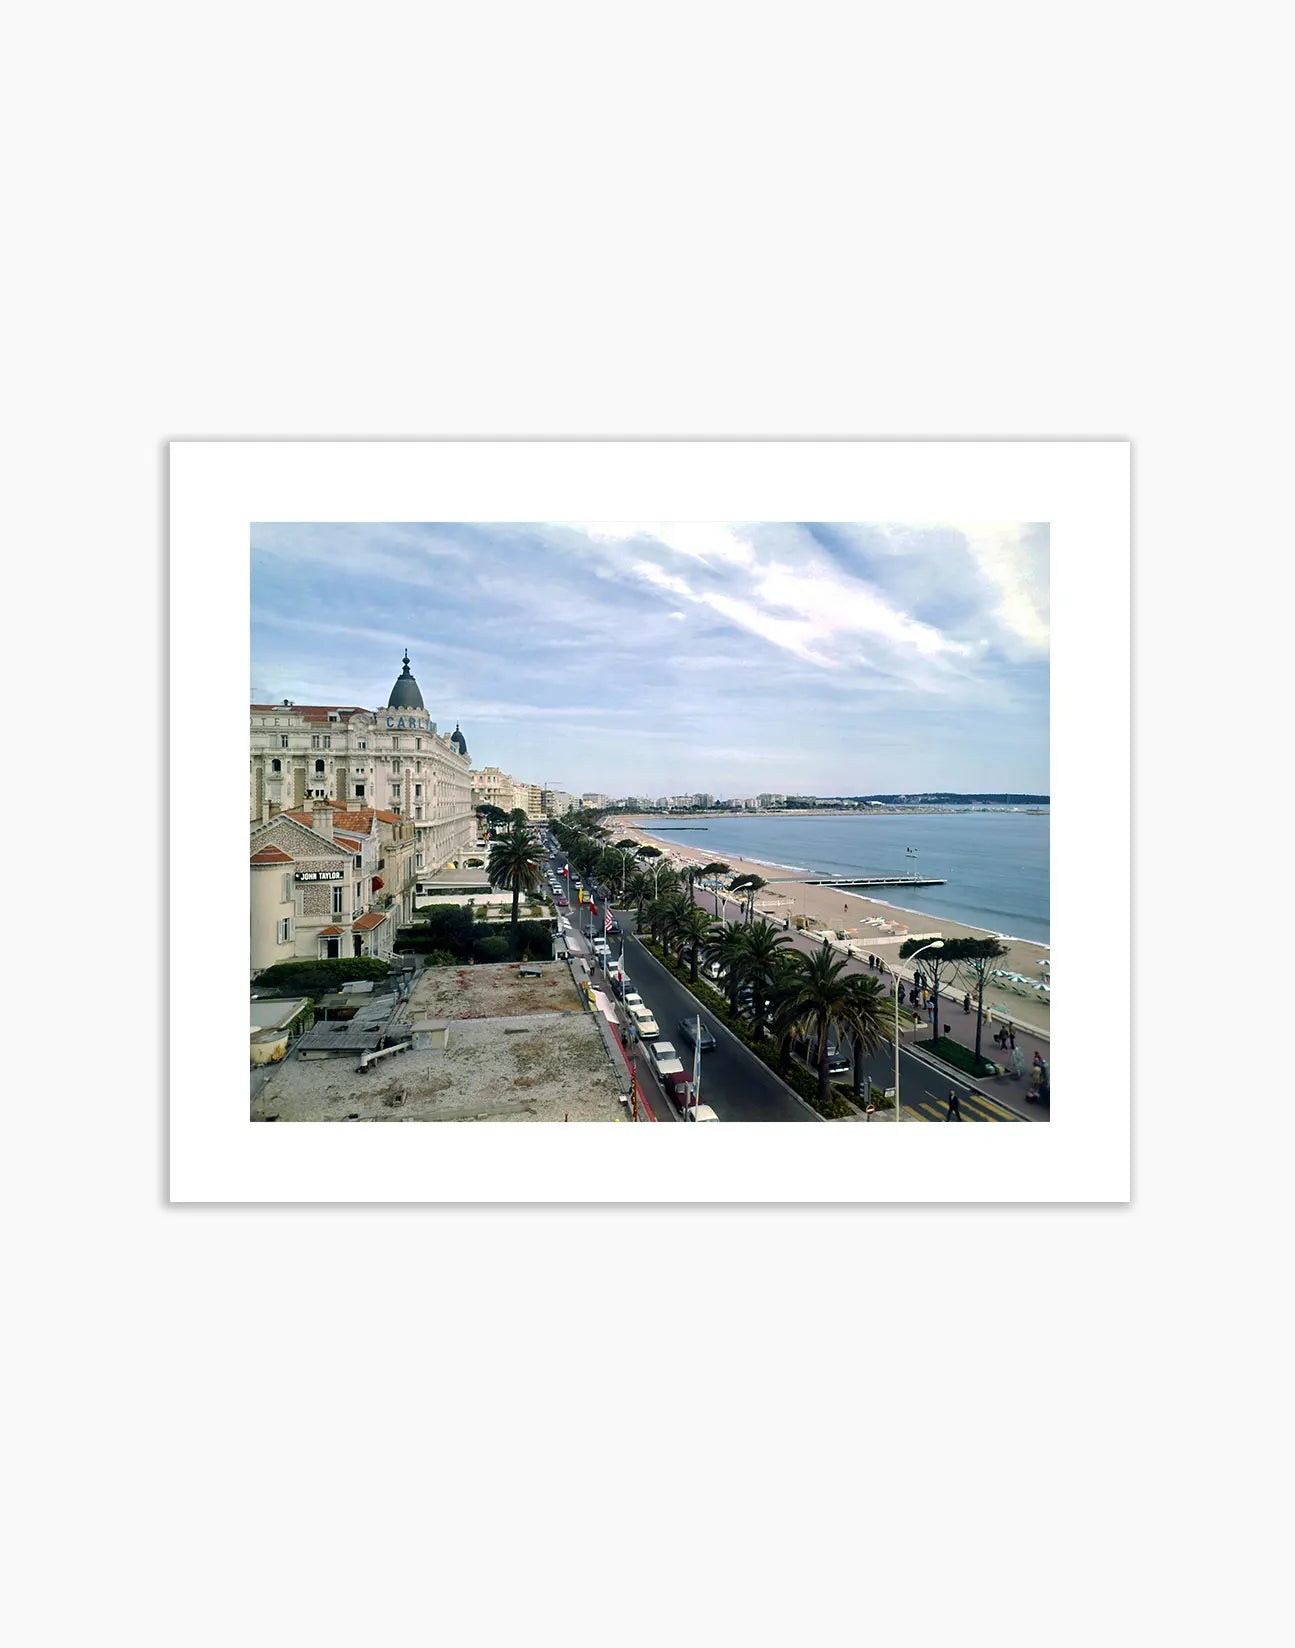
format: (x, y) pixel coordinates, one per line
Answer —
(974, 1107)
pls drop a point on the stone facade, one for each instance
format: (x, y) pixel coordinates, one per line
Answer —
(392, 759)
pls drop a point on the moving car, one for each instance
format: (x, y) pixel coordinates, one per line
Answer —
(688, 1030)
(562, 903)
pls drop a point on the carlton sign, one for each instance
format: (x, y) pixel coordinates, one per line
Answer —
(320, 875)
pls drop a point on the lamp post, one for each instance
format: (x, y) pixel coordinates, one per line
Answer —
(935, 944)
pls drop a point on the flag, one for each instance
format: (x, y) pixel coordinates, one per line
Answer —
(607, 918)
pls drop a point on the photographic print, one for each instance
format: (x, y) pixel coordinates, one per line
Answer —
(646, 784)
(649, 822)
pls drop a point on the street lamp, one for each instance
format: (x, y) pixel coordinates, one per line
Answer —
(935, 944)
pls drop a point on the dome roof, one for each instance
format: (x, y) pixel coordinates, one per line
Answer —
(458, 740)
(405, 694)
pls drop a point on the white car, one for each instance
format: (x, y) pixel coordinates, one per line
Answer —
(632, 999)
(644, 1023)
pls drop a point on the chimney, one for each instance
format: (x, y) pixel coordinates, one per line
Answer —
(321, 818)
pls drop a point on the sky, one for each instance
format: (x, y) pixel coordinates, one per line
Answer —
(654, 659)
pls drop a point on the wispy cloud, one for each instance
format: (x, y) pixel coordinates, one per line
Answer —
(641, 656)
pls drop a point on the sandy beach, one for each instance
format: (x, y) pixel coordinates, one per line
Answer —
(870, 926)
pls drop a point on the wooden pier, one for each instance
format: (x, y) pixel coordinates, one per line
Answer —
(848, 883)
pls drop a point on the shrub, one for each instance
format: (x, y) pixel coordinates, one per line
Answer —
(491, 948)
(474, 863)
(960, 1057)
(319, 978)
(441, 958)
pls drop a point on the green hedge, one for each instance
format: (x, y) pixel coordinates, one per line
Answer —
(960, 1057)
(457, 932)
(796, 1076)
(320, 978)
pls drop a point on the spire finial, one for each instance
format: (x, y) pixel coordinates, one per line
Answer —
(406, 660)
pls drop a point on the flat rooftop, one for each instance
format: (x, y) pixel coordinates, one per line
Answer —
(518, 1049)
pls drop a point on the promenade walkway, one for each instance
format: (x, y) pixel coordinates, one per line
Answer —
(962, 1026)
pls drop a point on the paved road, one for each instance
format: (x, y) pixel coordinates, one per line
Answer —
(738, 1086)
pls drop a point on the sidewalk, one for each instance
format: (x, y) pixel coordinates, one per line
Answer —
(962, 1026)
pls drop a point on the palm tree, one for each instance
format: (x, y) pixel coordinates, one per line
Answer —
(691, 932)
(638, 890)
(815, 992)
(763, 948)
(727, 946)
(673, 909)
(516, 861)
(868, 1021)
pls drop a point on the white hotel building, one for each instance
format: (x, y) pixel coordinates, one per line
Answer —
(392, 759)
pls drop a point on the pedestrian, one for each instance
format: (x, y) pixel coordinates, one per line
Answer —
(902, 997)
(1011, 1035)
(1018, 1063)
(966, 1004)
(954, 1115)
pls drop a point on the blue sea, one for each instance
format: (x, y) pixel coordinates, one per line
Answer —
(995, 864)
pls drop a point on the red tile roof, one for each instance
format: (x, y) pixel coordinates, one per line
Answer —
(366, 924)
(345, 841)
(330, 932)
(271, 855)
(354, 823)
(388, 818)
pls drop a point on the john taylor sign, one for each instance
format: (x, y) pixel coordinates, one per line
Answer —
(319, 875)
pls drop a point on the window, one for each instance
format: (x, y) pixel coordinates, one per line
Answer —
(328, 741)
(337, 900)
(418, 743)
(418, 789)
(363, 744)
(276, 765)
(283, 740)
(395, 743)
(286, 894)
(359, 792)
(319, 768)
(357, 861)
(285, 930)
(314, 740)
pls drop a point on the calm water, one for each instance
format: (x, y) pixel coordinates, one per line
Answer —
(995, 864)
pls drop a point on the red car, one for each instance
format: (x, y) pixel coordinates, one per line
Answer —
(563, 905)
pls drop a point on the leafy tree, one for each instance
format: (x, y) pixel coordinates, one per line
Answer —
(713, 871)
(749, 885)
(814, 992)
(490, 817)
(975, 958)
(938, 967)
(516, 862)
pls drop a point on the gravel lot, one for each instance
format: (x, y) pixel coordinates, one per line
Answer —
(541, 1059)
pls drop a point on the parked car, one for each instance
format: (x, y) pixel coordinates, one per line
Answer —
(642, 1020)
(838, 1058)
(632, 999)
(615, 926)
(664, 1060)
(688, 1031)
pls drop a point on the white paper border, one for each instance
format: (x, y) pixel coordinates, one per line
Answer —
(217, 488)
